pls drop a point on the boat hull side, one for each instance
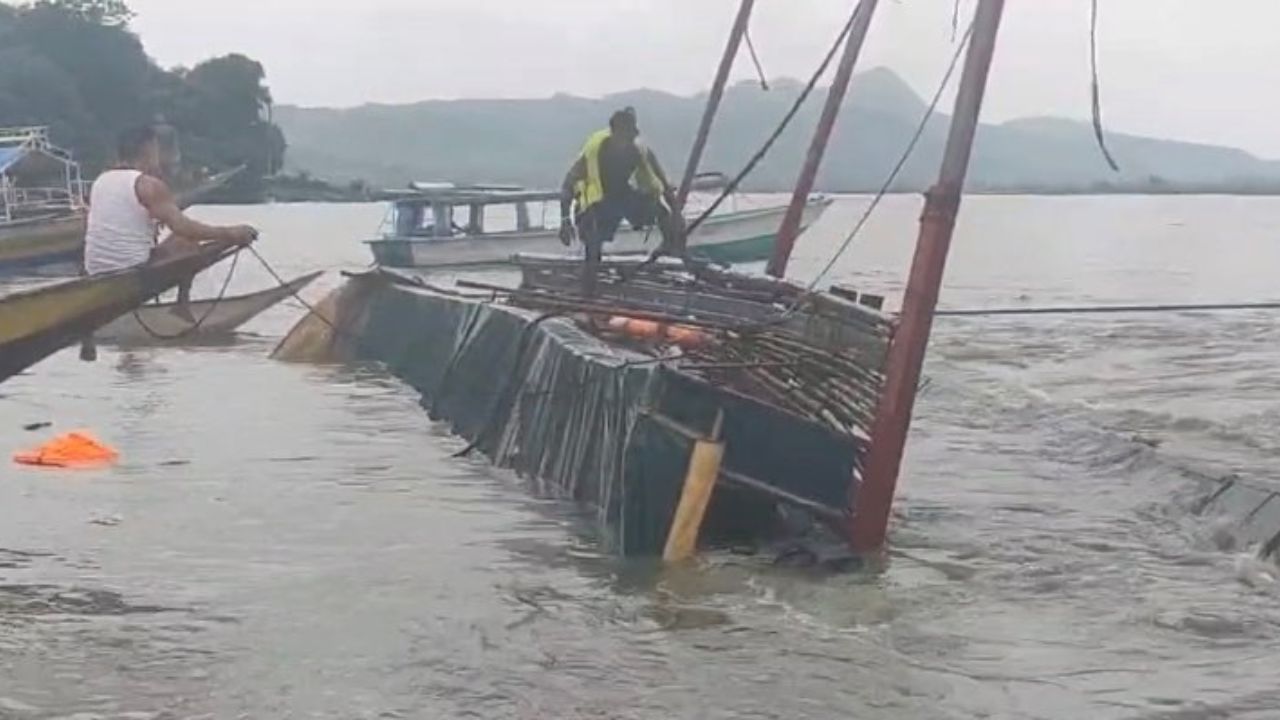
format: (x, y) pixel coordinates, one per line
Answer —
(577, 417)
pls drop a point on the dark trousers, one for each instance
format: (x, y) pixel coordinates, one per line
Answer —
(599, 224)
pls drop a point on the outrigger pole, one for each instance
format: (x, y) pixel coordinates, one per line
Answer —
(790, 228)
(713, 101)
(873, 496)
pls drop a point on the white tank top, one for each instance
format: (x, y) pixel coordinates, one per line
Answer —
(120, 231)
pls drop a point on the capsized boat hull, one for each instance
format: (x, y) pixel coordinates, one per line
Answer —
(38, 322)
(739, 237)
(600, 422)
(215, 318)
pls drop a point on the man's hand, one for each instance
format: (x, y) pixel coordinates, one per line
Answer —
(241, 235)
(566, 232)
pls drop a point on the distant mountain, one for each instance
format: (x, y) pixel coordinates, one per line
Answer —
(533, 141)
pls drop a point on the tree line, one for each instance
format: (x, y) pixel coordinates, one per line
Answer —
(75, 66)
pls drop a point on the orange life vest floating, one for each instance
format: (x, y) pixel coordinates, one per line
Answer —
(78, 450)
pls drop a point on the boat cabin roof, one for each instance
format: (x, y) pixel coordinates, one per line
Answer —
(28, 151)
(470, 195)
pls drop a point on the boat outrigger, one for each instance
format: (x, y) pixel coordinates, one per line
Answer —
(426, 230)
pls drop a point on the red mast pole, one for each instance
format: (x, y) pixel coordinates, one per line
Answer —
(874, 495)
(713, 100)
(790, 228)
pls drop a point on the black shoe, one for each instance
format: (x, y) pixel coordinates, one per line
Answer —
(88, 350)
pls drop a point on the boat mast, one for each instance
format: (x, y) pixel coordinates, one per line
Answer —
(874, 495)
(790, 228)
(713, 101)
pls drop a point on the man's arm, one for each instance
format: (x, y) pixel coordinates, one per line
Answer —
(159, 201)
(567, 189)
(668, 192)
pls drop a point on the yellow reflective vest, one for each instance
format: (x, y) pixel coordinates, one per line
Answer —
(590, 190)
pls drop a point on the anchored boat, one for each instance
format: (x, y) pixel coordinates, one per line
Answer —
(41, 200)
(472, 226)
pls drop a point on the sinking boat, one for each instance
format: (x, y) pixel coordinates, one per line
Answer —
(588, 412)
(42, 206)
(38, 322)
(426, 229)
(214, 318)
(683, 404)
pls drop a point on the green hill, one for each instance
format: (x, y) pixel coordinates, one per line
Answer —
(532, 141)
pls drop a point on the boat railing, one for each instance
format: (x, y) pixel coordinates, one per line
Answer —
(23, 201)
(22, 134)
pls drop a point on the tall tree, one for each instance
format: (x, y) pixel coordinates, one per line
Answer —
(99, 12)
(75, 65)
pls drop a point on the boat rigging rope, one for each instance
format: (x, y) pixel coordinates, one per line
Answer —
(296, 296)
(222, 293)
(897, 169)
(732, 186)
(755, 60)
(1109, 309)
(1095, 89)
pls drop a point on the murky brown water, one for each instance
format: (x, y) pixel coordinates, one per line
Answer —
(292, 541)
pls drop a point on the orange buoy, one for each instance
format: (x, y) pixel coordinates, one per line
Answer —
(686, 336)
(72, 450)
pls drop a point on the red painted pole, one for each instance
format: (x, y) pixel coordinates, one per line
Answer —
(790, 229)
(874, 495)
(739, 30)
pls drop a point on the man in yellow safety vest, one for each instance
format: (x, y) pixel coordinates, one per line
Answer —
(616, 178)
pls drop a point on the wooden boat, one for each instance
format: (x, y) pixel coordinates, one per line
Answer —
(156, 322)
(38, 322)
(42, 225)
(41, 200)
(424, 232)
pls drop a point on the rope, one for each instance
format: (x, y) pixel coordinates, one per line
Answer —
(1110, 309)
(755, 60)
(897, 169)
(755, 160)
(1095, 89)
(222, 293)
(296, 296)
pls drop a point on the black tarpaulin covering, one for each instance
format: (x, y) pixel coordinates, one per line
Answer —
(572, 414)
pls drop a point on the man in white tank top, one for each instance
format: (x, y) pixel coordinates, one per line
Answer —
(127, 206)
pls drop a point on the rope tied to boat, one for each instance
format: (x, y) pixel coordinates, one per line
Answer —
(188, 331)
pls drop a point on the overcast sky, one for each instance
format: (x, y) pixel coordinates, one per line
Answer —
(1191, 69)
